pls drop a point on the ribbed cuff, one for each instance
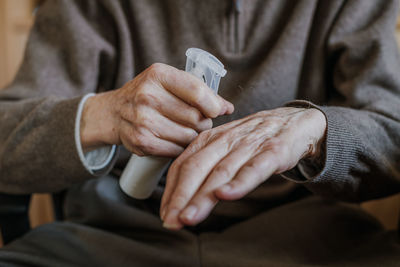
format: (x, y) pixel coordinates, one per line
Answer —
(341, 148)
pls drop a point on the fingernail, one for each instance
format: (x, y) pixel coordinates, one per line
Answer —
(171, 226)
(163, 211)
(226, 188)
(171, 220)
(189, 213)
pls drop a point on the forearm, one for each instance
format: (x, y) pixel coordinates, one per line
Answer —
(38, 151)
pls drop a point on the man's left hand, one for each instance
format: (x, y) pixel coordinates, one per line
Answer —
(229, 161)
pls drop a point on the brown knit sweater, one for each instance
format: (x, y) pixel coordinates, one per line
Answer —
(339, 56)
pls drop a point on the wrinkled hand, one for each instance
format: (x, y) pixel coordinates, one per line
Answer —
(229, 161)
(158, 113)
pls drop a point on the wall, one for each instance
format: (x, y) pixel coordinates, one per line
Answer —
(16, 19)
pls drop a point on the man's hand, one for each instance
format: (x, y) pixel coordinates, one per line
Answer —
(229, 161)
(157, 113)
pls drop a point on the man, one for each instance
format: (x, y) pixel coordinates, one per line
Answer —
(340, 140)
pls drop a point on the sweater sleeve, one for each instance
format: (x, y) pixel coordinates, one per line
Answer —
(362, 149)
(38, 109)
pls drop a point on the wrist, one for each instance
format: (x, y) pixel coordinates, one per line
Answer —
(97, 127)
(317, 147)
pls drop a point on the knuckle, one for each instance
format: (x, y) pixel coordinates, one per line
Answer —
(148, 147)
(250, 166)
(185, 169)
(222, 171)
(141, 142)
(155, 68)
(229, 134)
(156, 72)
(193, 147)
(141, 90)
(226, 137)
(254, 171)
(147, 124)
(195, 116)
(131, 142)
(144, 97)
(189, 165)
(204, 136)
(139, 117)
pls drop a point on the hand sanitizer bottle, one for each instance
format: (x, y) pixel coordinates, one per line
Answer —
(142, 174)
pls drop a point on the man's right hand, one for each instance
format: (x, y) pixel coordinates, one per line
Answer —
(157, 113)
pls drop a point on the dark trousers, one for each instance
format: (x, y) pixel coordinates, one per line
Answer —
(105, 228)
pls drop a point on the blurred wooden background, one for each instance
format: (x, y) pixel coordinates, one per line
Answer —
(16, 18)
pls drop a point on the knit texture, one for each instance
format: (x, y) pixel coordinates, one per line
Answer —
(339, 55)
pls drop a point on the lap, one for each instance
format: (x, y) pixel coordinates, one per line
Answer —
(70, 244)
(309, 232)
(106, 229)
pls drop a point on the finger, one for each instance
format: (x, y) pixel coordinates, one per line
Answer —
(201, 141)
(145, 117)
(198, 209)
(177, 110)
(194, 147)
(171, 222)
(252, 174)
(192, 173)
(168, 130)
(190, 89)
(173, 174)
(200, 206)
(172, 178)
(144, 144)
